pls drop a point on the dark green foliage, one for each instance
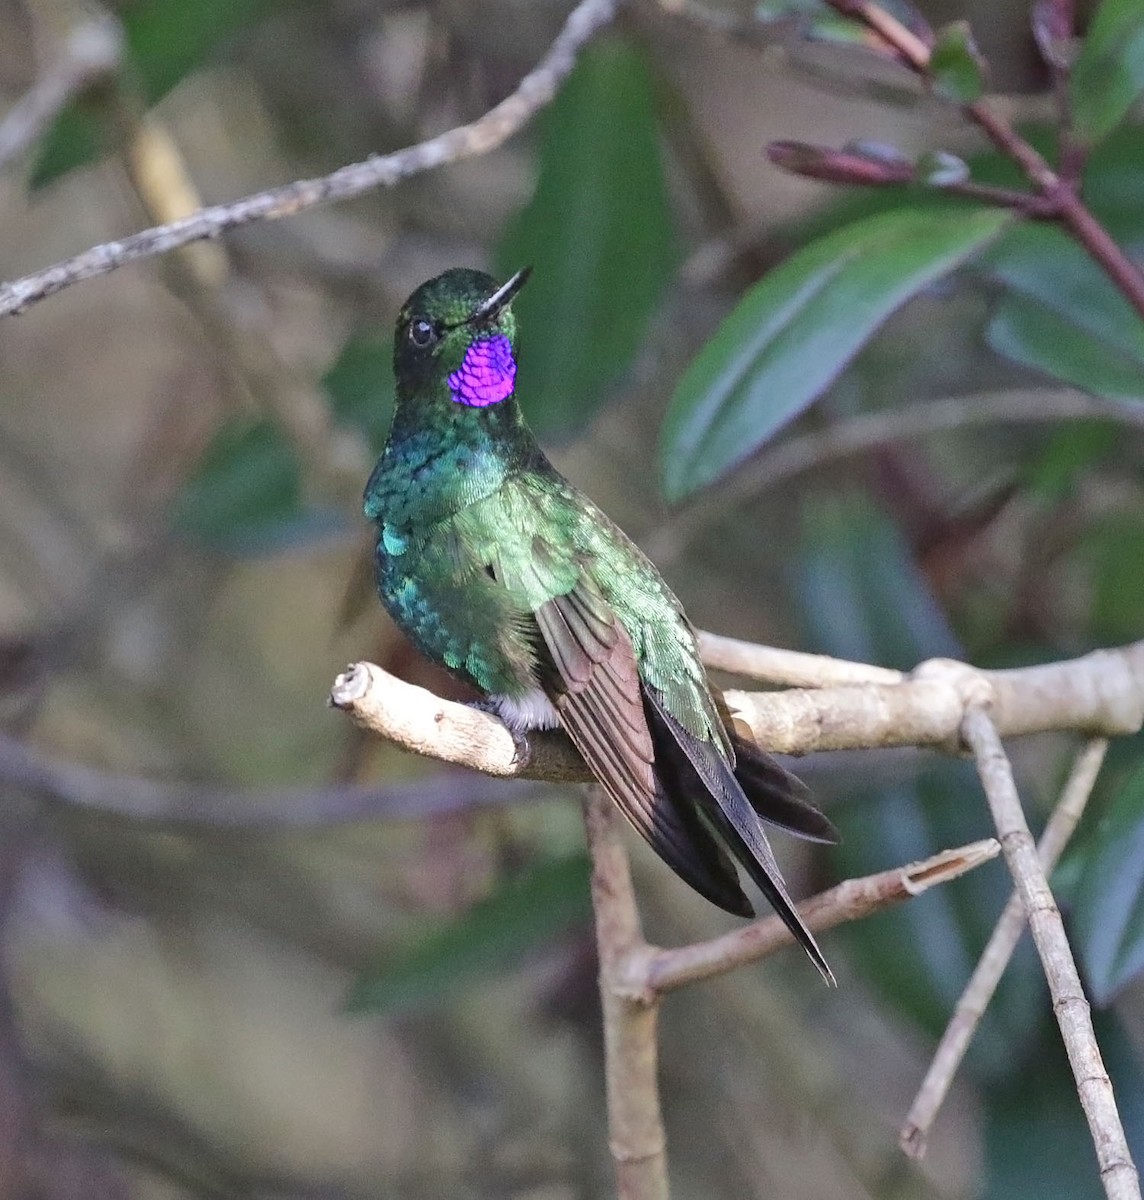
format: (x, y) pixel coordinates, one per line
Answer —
(792, 333)
(165, 40)
(863, 598)
(956, 65)
(598, 233)
(1108, 916)
(1108, 74)
(1062, 315)
(246, 495)
(360, 386)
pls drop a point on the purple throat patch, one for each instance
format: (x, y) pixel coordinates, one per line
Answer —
(487, 375)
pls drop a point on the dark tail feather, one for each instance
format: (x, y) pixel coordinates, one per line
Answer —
(696, 777)
(779, 797)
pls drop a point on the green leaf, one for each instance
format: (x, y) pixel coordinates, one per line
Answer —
(1112, 551)
(1108, 74)
(361, 389)
(1053, 474)
(74, 138)
(168, 39)
(524, 912)
(791, 335)
(598, 232)
(1063, 315)
(956, 66)
(1108, 918)
(246, 495)
(1029, 333)
(1036, 1143)
(165, 40)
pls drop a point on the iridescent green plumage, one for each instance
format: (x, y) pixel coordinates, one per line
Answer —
(499, 569)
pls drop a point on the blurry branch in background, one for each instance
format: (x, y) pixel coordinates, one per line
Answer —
(83, 789)
(983, 983)
(849, 436)
(239, 328)
(941, 703)
(92, 52)
(536, 90)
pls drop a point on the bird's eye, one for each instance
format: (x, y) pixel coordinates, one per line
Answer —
(422, 332)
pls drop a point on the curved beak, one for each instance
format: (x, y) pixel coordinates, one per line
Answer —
(502, 296)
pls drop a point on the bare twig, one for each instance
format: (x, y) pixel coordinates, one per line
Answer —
(1117, 1170)
(983, 983)
(92, 51)
(787, 459)
(630, 1015)
(789, 668)
(849, 901)
(536, 90)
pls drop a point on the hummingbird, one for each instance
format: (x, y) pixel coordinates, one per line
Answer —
(499, 569)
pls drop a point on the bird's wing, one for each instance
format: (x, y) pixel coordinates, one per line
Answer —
(593, 680)
(706, 780)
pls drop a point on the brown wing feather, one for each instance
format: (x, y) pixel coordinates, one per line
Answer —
(595, 685)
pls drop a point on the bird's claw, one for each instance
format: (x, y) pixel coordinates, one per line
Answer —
(522, 751)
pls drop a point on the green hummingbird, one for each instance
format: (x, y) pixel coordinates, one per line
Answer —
(497, 568)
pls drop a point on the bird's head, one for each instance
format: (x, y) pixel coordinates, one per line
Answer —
(457, 332)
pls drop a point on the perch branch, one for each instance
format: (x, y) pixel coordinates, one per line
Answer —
(1117, 1170)
(1101, 694)
(987, 975)
(849, 901)
(536, 90)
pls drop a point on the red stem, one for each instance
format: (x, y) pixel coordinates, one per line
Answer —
(1060, 193)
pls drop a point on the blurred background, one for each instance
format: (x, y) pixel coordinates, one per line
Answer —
(248, 951)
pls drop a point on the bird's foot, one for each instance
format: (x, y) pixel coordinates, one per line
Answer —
(522, 751)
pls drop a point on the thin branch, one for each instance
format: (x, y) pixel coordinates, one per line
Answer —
(84, 789)
(92, 51)
(1099, 694)
(843, 439)
(849, 901)
(635, 1124)
(536, 90)
(1117, 1170)
(789, 668)
(987, 975)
